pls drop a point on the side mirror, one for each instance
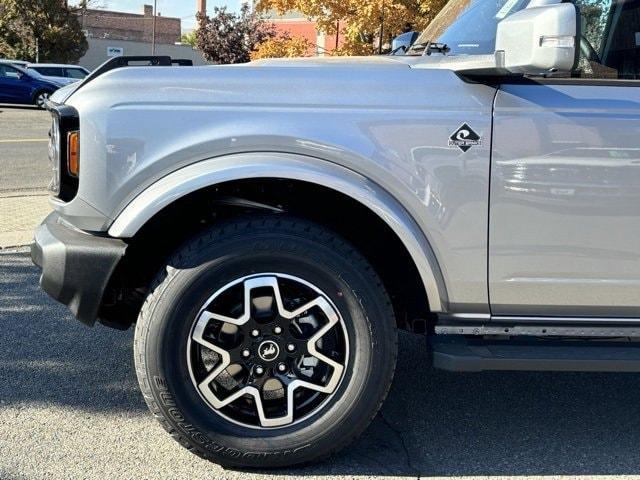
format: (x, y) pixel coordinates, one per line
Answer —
(539, 39)
(401, 43)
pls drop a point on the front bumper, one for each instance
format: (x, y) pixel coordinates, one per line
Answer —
(76, 266)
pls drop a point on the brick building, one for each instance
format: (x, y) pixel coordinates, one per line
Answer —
(297, 25)
(129, 26)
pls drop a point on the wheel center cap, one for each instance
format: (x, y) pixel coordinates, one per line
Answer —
(268, 350)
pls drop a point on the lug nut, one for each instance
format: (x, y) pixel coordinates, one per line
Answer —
(282, 367)
(246, 353)
(255, 333)
(277, 330)
(259, 370)
(291, 347)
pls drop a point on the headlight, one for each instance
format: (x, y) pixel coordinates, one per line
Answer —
(54, 154)
(64, 151)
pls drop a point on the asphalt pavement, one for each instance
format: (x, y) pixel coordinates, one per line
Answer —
(70, 408)
(23, 149)
(24, 173)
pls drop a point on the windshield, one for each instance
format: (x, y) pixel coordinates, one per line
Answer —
(469, 26)
(75, 73)
(32, 73)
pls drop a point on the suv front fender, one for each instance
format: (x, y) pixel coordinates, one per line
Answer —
(280, 165)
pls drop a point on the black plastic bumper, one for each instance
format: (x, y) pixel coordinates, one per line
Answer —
(76, 266)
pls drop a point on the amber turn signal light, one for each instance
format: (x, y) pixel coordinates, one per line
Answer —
(73, 153)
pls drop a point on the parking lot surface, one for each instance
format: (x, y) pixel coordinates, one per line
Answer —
(70, 408)
(23, 149)
(24, 173)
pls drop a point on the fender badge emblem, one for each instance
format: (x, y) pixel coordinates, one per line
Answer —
(464, 138)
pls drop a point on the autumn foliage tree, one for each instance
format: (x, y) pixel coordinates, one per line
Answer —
(282, 46)
(46, 29)
(227, 37)
(360, 21)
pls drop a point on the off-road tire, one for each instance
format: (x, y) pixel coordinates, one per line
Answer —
(232, 250)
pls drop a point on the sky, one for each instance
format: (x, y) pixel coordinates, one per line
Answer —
(183, 9)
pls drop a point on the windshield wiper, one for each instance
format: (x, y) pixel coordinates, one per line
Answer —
(428, 47)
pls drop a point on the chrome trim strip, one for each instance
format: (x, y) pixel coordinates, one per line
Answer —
(481, 324)
(566, 320)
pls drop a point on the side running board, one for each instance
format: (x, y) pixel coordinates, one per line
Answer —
(459, 354)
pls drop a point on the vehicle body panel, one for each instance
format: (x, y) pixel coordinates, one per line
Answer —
(565, 201)
(295, 167)
(12, 88)
(141, 124)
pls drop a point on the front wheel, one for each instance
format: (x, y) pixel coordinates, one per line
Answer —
(266, 342)
(40, 99)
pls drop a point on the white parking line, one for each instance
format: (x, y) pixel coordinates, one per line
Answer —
(25, 140)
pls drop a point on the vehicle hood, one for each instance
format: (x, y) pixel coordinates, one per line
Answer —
(296, 75)
(49, 82)
(60, 95)
(447, 62)
(381, 61)
(370, 62)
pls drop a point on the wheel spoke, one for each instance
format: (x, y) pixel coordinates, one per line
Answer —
(300, 310)
(206, 317)
(337, 368)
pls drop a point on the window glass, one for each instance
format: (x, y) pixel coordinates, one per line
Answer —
(75, 73)
(9, 72)
(49, 71)
(468, 27)
(610, 44)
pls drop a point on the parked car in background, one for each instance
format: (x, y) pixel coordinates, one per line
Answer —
(17, 63)
(64, 74)
(21, 86)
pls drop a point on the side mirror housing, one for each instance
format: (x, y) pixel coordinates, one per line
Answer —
(539, 39)
(402, 42)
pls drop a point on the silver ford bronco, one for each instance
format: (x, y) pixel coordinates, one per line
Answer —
(269, 227)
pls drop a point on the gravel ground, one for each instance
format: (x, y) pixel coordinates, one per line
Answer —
(70, 408)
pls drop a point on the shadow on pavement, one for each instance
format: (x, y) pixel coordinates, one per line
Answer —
(47, 357)
(433, 423)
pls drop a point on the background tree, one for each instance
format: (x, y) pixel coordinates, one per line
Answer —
(227, 37)
(46, 30)
(189, 38)
(359, 21)
(594, 19)
(282, 46)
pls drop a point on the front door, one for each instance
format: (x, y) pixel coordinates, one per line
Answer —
(13, 89)
(564, 227)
